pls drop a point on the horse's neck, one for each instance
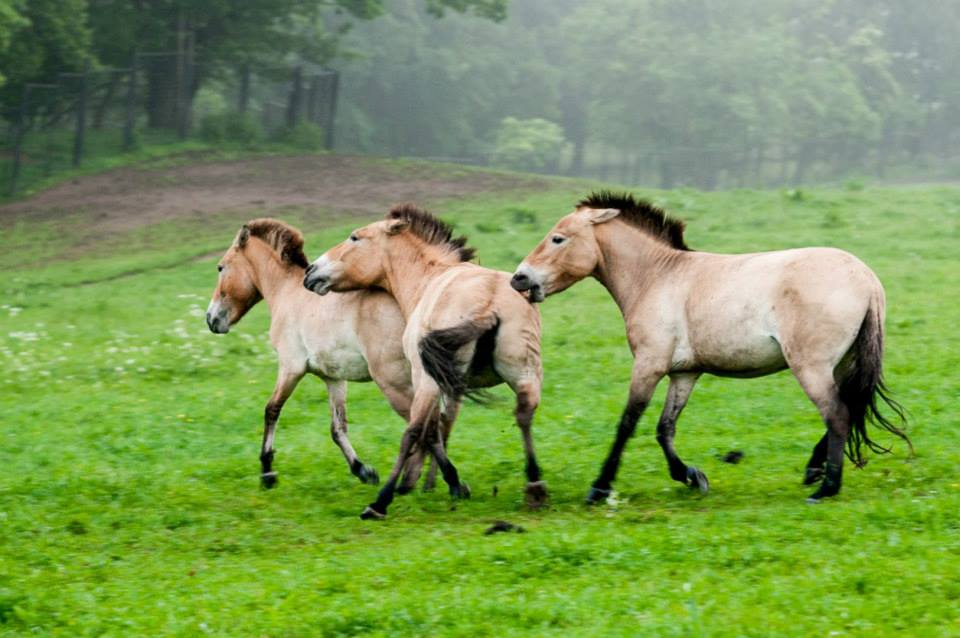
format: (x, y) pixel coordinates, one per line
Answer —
(632, 263)
(275, 281)
(408, 276)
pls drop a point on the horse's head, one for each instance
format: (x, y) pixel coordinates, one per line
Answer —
(567, 254)
(236, 290)
(354, 264)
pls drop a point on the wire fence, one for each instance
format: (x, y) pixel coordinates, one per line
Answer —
(161, 97)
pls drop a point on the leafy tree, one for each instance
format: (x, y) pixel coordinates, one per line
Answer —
(529, 145)
(230, 32)
(38, 40)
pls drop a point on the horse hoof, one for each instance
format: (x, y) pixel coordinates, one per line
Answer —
(268, 480)
(536, 494)
(460, 491)
(697, 480)
(371, 514)
(812, 475)
(597, 495)
(820, 494)
(368, 475)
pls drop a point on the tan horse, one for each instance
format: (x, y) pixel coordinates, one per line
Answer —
(466, 329)
(340, 338)
(818, 311)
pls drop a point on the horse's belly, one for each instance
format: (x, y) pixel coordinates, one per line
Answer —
(738, 354)
(347, 364)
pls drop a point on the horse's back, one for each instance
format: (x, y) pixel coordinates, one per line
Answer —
(748, 314)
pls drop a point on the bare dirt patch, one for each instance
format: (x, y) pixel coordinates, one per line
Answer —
(334, 186)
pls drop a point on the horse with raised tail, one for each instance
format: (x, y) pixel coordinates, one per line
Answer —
(466, 329)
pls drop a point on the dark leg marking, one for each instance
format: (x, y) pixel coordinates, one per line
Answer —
(411, 438)
(536, 489)
(818, 459)
(838, 428)
(628, 424)
(271, 413)
(677, 396)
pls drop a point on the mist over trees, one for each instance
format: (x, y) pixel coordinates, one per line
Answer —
(706, 93)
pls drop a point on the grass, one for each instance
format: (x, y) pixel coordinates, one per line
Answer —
(130, 505)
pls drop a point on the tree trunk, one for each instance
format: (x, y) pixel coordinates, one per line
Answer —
(574, 106)
(162, 92)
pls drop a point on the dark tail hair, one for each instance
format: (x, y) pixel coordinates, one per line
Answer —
(438, 351)
(861, 383)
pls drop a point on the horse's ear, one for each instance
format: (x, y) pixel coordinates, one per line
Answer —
(600, 216)
(394, 226)
(243, 236)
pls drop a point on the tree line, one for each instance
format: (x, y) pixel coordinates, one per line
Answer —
(706, 93)
(701, 92)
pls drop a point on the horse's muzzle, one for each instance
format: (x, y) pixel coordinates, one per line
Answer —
(521, 282)
(218, 323)
(319, 284)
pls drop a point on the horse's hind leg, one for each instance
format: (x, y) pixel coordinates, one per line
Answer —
(528, 398)
(287, 381)
(411, 473)
(434, 442)
(421, 417)
(681, 386)
(820, 387)
(447, 418)
(337, 394)
(818, 459)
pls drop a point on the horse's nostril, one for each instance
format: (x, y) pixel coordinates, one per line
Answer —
(519, 279)
(310, 269)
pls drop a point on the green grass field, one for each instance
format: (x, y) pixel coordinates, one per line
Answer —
(130, 502)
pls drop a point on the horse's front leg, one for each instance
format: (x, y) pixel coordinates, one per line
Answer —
(287, 381)
(337, 394)
(642, 384)
(681, 386)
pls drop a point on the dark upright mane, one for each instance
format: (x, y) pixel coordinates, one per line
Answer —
(641, 214)
(285, 240)
(432, 230)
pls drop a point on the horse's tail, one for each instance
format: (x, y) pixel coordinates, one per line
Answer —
(438, 352)
(861, 383)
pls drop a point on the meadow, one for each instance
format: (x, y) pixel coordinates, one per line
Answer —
(130, 501)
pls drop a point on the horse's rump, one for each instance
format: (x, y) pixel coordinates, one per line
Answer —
(439, 351)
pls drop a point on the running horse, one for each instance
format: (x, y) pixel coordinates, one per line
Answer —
(340, 338)
(466, 329)
(817, 311)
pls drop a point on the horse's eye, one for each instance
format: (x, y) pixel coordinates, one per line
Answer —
(219, 267)
(353, 237)
(558, 239)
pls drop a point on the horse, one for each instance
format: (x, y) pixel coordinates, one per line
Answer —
(466, 330)
(349, 337)
(817, 311)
